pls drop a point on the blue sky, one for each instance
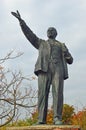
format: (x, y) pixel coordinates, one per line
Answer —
(68, 17)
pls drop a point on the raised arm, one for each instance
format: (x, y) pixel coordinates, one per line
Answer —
(27, 31)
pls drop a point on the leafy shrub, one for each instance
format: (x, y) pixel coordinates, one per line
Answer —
(69, 117)
(67, 114)
(80, 119)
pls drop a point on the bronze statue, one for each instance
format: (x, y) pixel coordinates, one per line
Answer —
(51, 69)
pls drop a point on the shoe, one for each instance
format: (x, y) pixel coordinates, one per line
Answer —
(58, 122)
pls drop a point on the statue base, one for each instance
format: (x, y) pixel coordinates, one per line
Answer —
(46, 127)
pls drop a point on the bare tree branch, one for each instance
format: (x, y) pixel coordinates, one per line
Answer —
(10, 56)
(14, 93)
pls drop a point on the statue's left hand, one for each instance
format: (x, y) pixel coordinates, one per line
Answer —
(17, 15)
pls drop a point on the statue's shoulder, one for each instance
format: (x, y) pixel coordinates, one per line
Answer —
(59, 43)
(41, 41)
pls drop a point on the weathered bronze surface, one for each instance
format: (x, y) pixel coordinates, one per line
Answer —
(51, 69)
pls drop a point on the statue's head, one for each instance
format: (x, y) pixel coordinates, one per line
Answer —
(51, 33)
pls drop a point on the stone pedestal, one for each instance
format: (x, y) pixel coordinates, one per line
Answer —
(46, 127)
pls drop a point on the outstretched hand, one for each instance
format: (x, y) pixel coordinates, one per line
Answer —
(17, 15)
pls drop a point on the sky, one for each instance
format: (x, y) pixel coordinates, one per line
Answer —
(68, 17)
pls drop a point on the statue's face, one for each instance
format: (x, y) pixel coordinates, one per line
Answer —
(51, 33)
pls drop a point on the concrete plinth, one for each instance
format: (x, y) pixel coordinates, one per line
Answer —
(46, 127)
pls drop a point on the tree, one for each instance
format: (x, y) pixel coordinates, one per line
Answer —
(79, 118)
(14, 93)
(67, 115)
(68, 112)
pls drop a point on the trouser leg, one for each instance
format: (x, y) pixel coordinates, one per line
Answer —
(57, 91)
(43, 92)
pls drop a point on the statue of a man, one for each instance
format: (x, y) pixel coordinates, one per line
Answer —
(51, 69)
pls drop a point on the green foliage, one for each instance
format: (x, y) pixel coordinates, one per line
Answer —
(20, 123)
(68, 112)
(69, 117)
(34, 117)
(3, 128)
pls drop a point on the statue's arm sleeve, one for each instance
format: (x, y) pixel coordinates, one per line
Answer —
(68, 57)
(34, 40)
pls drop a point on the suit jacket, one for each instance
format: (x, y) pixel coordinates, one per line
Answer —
(44, 51)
